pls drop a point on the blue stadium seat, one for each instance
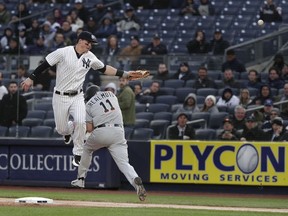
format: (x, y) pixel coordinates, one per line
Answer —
(41, 131)
(205, 134)
(145, 115)
(142, 134)
(23, 131)
(181, 93)
(30, 122)
(3, 131)
(159, 128)
(36, 114)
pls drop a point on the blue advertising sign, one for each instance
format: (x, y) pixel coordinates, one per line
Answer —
(3, 162)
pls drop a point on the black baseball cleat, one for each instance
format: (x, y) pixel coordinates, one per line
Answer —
(76, 160)
(141, 192)
(67, 139)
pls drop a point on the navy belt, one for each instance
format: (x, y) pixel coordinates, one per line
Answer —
(70, 93)
(108, 125)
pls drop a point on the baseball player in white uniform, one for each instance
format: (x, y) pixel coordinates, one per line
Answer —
(72, 63)
(105, 123)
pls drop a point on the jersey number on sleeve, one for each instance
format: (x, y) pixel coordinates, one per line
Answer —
(105, 108)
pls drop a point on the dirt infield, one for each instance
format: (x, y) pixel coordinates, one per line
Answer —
(11, 202)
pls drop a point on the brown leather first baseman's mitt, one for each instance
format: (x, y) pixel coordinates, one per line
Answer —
(138, 74)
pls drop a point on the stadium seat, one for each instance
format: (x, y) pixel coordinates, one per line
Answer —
(162, 116)
(140, 108)
(49, 122)
(23, 131)
(128, 132)
(141, 123)
(167, 99)
(174, 83)
(158, 107)
(159, 128)
(205, 134)
(145, 115)
(181, 93)
(43, 106)
(166, 91)
(41, 131)
(36, 114)
(30, 122)
(142, 134)
(3, 131)
(49, 114)
(216, 120)
(206, 91)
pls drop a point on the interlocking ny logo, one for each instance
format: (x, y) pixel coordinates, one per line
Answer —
(86, 63)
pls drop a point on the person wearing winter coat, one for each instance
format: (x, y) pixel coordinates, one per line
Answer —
(189, 104)
(228, 99)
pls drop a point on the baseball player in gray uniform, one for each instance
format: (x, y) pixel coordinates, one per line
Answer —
(105, 123)
(72, 63)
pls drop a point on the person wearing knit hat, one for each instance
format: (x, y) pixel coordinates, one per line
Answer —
(267, 125)
(111, 87)
(210, 105)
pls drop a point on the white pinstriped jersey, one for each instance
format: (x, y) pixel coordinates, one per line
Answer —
(103, 108)
(71, 70)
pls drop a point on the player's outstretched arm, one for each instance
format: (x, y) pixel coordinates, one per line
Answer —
(131, 75)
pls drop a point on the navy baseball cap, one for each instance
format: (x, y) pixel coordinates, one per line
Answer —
(268, 102)
(85, 35)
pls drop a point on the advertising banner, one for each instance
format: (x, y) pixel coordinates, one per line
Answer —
(3, 162)
(216, 162)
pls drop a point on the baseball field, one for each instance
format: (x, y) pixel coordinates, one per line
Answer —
(72, 201)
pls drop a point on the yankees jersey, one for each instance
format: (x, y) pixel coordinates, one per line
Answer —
(71, 70)
(103, 108)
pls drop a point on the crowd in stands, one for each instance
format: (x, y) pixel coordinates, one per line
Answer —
(228, 94)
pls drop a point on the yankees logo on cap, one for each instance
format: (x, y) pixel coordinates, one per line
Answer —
(85, 35)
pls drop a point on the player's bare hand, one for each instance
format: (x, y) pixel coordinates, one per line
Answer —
(26, 84)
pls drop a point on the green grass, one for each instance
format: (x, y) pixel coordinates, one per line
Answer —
(153, 198)
(75, 211)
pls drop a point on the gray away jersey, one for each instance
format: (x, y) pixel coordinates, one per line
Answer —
(103, 108)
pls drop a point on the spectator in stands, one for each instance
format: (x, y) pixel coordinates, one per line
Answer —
(22, 73)
(182, 130)
(238, 117)
(252, 131)
(189, 7)
(5, 15)
(189, 104)
(254, 80)
(218, 45)
(153, 91)
(263, 114)
(184, 72)
(6, 37)
(228, 99)
(13, 47)
(156, 47)
(68, 32)
(48, 32)
(75, 19)
(198, 44)
(126, 99)
(58, 42)
(278, 131)
(244, 97)
(24, 40)
(210, 105)
(91, 26)
(274, 79)
(111, 86)
(205, 8)
(229, 80)
(129, 21)
(203, 80)
(269, 12)
(229, 132)
(58, 16)
(130, 54)
(232, 62)
(137, 88)
(106, 27)
(82, 11)
(38, 48)
(267, 124)
(34, 31)
(3, 89)
(99, 11)
(283, 97)
(281, 65)
(22, 12)
(13, 106)
(264, 94)
(162, 72)
(112, 49)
